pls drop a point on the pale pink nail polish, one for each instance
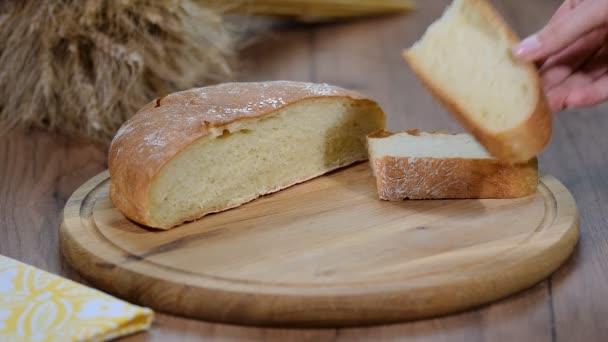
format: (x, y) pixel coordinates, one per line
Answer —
(527, 46)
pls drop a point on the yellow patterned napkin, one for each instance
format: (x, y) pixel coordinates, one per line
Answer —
(39, 306)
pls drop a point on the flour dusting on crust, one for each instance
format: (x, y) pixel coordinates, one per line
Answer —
(195, 111)
(400, 178)
(417, 178)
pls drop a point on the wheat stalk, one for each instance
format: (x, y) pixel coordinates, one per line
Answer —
(315, 8)
(85, 66)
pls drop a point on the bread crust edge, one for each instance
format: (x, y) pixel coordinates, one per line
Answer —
(518, 144)
(456, 178)
(398, 178)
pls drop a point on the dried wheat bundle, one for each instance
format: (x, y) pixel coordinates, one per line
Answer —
(316, 8)
(85, 66)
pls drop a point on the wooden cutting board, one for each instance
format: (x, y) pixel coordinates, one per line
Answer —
(324, 253)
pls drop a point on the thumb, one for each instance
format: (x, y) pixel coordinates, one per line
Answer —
(563, 31)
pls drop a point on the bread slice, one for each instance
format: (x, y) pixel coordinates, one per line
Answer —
(465, 60)
(421, 165)
(209, 149)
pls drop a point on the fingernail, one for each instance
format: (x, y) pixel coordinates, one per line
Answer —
(527, 46)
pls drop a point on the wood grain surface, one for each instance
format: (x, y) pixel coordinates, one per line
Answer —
(324, 253)
(39, 171)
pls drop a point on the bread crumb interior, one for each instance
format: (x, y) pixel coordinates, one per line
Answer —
(427, 145)
(244, 160)
(467, 56)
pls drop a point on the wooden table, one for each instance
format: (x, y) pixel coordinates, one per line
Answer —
(38, 171)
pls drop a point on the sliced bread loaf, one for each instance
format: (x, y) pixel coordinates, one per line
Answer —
(420, 165)
(209, 149)
(465, 60)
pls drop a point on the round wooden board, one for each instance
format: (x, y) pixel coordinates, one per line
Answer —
(324, 253)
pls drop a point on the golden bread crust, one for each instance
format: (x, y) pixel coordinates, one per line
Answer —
(167, 125)
(453, 178)
(400, 178)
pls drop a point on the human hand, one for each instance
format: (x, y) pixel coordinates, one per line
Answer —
(572, 51)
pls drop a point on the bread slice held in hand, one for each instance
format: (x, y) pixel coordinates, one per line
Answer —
(464, 59)
(421, 165)
(210, 149)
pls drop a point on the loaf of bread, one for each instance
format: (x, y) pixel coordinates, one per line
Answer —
(464, 59)
(210, 149)
(437, 165)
